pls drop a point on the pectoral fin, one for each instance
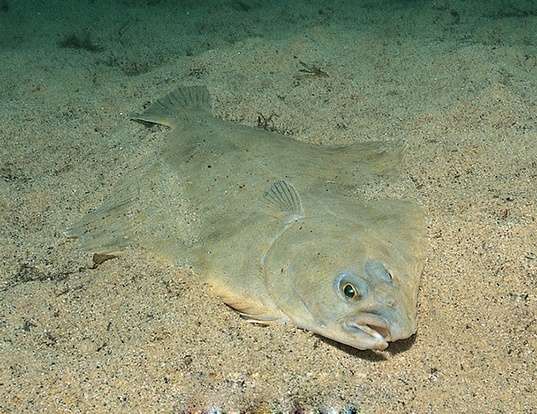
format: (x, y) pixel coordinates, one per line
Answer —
(284, 200)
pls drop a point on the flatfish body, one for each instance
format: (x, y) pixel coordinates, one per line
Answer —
(282, 230)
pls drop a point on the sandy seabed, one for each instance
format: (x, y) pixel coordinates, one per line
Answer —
(455, 80)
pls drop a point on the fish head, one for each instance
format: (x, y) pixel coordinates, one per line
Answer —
(348, 285)
(371, 310)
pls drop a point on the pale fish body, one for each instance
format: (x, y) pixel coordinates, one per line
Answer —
(282, 230)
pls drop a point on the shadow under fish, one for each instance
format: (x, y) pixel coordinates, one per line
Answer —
(282, 230)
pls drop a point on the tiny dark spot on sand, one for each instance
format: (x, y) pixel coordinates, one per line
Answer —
(350, 409)
(10, 173)
(455, 15)
(521, 297)
(80, 42)
(99, 258)
(187, 360)
(240, 6)
(197, 72)
(266, 122)
(28, 273)
(50, 340)
(28, 325)
(310, 71)
(433, 374)
(511, 11)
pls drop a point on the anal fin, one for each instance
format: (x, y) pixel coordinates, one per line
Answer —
(249, 308)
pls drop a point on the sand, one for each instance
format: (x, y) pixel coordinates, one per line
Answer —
(456, 80)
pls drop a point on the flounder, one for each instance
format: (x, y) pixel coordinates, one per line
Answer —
(282, 230)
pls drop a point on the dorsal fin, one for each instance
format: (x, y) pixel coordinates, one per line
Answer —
(283, 197)
(185, 103)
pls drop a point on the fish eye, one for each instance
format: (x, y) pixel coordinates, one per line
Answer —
(350, 287)
(350, 291)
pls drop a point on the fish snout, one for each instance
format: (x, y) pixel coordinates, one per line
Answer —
(371, 330)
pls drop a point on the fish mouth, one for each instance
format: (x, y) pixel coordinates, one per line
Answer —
(371, 329)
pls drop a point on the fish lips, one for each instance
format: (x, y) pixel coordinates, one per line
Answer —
(370, 331)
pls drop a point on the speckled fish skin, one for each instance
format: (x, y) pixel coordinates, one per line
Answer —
(281, 234)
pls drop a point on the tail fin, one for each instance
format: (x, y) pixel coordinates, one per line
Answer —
(144, 210)
(184, 103)
(109, 228)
